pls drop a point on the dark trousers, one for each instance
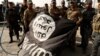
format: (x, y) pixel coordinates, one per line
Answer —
(13, 28)
(86, 32)
(72, 41)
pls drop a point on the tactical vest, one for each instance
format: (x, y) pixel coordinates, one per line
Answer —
(96, 23)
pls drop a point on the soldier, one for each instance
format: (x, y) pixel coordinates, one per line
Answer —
(74, 15)
(23, 8)
(17, 8)
(21, 11)
(46, 9)
(12, 21)
(86, 26)
(96, 32)
(63, 9)
(54, 11)
(29, 14)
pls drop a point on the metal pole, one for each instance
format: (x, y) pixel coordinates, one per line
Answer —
(6, 7)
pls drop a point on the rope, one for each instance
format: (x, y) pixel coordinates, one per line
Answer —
(1, 41)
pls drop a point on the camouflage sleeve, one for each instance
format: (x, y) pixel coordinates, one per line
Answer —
(94, 17)
(25, 17)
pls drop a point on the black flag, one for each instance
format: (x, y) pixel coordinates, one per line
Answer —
(46, 35)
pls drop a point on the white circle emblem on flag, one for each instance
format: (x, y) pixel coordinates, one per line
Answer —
(43, 27)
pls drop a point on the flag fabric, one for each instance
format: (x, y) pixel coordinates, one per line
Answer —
(46, 35)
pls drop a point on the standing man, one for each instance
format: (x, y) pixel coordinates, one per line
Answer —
(29, 14)
(63, 9)
(96, 32)
(73, 14)
(46, 9)
(86, 26)
(54, 11)
(23, 8)
(21, 12)
(12, 21)
(17, 8)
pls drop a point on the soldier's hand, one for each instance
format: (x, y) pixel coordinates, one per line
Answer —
(77, 23)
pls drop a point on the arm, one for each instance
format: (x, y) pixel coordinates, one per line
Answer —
(25, 17)
(80, 18)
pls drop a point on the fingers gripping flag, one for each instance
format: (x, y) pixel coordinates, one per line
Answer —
(46, 35)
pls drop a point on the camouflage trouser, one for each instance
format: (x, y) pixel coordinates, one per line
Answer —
(96, 43)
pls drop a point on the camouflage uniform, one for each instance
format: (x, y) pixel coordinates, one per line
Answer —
(21, 12)
(63, 10)
(54, 11)
(28, 16)
(96, 34)
(46, 9)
